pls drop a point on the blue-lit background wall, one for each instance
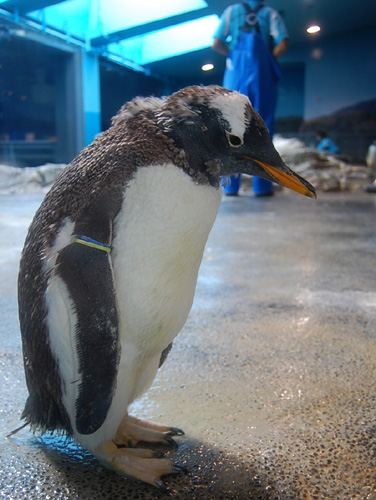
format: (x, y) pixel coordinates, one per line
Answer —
(67, 68)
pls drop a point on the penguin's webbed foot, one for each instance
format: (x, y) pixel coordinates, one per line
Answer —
(134, 430)
(144, 465)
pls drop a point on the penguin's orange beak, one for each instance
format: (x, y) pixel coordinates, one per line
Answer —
(287, 180)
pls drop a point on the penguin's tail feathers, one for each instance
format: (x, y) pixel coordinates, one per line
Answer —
(12, 433)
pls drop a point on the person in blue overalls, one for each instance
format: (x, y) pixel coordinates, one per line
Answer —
(252, 36)
(325, 144)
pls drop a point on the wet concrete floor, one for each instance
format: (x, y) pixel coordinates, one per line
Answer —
(272, 378)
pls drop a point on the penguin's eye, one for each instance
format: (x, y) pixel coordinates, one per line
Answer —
(234, 140)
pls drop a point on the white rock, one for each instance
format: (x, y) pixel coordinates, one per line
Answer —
(29, 179)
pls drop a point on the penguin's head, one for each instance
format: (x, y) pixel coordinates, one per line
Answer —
(221, 134)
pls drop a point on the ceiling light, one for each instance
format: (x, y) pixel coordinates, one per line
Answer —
(88, 19)
(207, 67)
(168, 42)
(313, 29)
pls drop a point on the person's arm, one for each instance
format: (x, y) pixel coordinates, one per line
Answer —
(281, 48)
(220, 47)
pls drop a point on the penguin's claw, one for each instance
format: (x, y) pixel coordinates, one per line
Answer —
(158, 483)
(134, 430)
(174, 431)
(137, 463)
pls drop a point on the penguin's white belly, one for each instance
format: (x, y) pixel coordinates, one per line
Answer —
(160, 235)
(159, 239)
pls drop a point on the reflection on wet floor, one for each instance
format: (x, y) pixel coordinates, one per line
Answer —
(272, 377)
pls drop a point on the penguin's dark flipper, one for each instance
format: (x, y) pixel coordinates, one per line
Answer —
(87, 274)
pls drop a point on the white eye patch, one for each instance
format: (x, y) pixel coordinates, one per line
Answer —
(233, 109)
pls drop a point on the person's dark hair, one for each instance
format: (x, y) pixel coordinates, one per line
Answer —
(321, 133)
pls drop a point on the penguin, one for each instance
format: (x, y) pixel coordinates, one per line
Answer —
(110, 262)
